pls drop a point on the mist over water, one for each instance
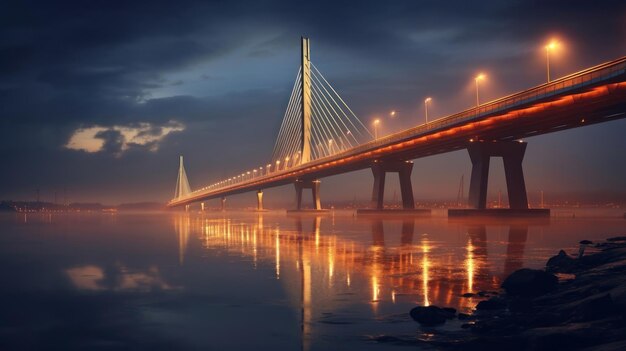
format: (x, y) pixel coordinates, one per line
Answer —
(247, 280)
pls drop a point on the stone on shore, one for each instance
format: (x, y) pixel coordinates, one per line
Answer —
(529, 282)
(431, 315)
(561, 263)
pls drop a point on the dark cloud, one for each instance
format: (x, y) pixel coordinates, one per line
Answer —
(75, 64)
(113, 141)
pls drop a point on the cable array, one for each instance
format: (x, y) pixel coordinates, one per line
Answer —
(334, 126)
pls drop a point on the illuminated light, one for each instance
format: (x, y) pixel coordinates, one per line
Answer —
(470, 265)
(277, 254)
(425, 271)
(375, 289)
(392, 113)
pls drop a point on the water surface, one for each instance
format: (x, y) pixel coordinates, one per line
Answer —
(247, 280)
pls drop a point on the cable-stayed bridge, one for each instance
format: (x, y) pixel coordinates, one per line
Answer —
(320, 136)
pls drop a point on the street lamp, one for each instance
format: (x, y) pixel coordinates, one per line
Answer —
(376, 123)
(426, 101)
(549, 48)
(330, 146)
(392, 113)
(477, 79)
(269, 165)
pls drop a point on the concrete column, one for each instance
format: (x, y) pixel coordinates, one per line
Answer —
(315, 192)
(259, 200)
(480, 176)
(512, 153)
(515, 184)
(378, 192)
(223, 200)
(314, 185)
(202, 206)
(404, 169)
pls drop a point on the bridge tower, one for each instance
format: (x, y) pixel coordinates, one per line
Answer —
(306, 102)
(182, 184)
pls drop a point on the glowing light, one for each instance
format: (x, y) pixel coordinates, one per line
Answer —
(425, 270)
(470, 265)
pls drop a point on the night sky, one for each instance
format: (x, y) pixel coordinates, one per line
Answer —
(100, 97)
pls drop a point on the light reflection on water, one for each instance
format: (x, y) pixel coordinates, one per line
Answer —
(306, 282)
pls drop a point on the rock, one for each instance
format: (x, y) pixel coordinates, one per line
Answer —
(595, 308)
(561, 263)
(429, 315)
(464, 316)
(618, 296)
(529, 282)
(494, 303)
(520, 305)
(583, 245)
(617, 238)
(450, 311)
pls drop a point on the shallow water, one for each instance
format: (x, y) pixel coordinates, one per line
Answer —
(246, 280)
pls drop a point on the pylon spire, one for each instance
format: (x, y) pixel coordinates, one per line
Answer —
(182, 184)
(306, 102)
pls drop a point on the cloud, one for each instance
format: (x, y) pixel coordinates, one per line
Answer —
(117, 139)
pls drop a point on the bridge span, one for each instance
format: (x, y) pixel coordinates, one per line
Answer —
(493, 129)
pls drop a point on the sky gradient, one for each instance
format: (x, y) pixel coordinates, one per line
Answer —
(101, 97)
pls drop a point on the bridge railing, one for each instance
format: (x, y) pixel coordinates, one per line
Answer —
(573, 81)
(558, 86)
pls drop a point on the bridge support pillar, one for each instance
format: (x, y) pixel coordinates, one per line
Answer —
(259, 200)
(186, 208)
(314, 185)
(223, 200)
(202, 206)
(512, 154)
(404, 169)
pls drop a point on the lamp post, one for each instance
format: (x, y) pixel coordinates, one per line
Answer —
(426, 101)
(476, 80)
(549, 48)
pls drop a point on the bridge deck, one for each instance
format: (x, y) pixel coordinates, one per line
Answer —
(594, 95)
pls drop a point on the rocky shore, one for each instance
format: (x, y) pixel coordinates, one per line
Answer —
(575, 303)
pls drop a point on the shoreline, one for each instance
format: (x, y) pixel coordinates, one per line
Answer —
(575, 303)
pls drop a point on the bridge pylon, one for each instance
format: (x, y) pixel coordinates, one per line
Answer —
(305, 105)
(512, 153)
(182, 183)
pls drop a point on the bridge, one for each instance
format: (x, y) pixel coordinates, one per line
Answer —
(320, 136)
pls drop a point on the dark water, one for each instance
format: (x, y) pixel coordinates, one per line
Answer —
(253, 281)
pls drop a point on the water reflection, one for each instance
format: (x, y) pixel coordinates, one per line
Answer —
(200, 281)
(116, 278)
(315, 265)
